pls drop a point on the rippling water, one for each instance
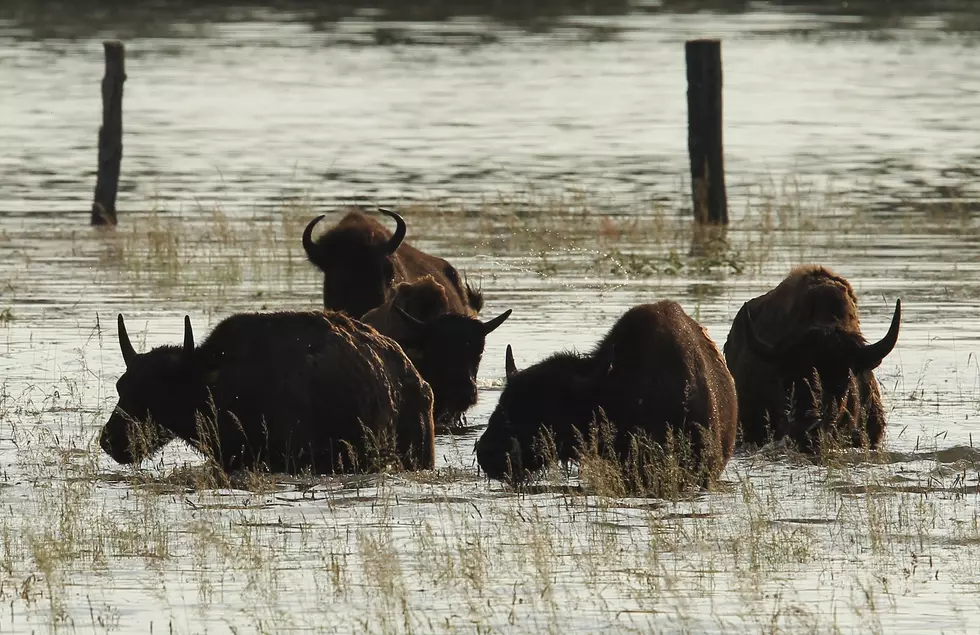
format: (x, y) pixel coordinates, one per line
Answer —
(551, 166)
(244, 112)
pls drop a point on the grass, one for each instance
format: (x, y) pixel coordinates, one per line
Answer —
(856, 542)
(82, 543)
(570, 232)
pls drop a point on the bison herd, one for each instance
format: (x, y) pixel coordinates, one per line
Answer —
(366, 383)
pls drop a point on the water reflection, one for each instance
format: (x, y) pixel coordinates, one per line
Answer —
(87, 18)
(186, 18)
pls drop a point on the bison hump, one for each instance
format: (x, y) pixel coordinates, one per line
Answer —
(423, 299)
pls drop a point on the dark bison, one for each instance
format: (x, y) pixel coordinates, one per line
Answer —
(801, 366)
(445, 347)
(285, 392)
(656, 375)
(362, 261)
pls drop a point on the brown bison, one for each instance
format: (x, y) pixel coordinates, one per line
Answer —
(286, 392)
(801, 366)
(656, 375)
(445, 347)
(362, 261)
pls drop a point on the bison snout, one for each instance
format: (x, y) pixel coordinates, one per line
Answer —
(500, 459)
(114, 440)
(118, 450)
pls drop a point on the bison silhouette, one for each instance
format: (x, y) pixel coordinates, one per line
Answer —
(802, 368)
(655, 376)
(362, 261)
(446, 347)
(286, 392)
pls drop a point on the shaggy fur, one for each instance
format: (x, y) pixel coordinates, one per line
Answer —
(360, 272)
(656, 372)
(281, 391)
(816, 389)
(445, 347)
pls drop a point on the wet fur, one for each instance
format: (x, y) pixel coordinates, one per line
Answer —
(449, 358)
(424, 299)
(349, 251)
(773, 405)
(656, 370)
(287, 392)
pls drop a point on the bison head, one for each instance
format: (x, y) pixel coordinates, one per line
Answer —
(543, 403)
(817, 367)
(154, 397)
(356, 261)
(446, 351)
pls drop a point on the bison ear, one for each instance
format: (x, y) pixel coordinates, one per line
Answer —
(509, 365)
(490, 325)
(188, 336)
(128, 352)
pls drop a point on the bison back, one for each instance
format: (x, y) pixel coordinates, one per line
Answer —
(319, 389)
(667, 374)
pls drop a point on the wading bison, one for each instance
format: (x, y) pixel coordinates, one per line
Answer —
(656, 375)
(362, 261)
(285, 392)
(445, 347)
(801, 366)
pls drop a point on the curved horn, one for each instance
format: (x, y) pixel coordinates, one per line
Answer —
(308, 245)
(869, 356)
(188, 336)
(509, 364)
(764, 350)
(411, 319)
(399, 235)
(128, 352)
(490, 325)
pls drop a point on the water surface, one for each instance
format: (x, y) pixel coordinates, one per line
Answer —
(549, 165)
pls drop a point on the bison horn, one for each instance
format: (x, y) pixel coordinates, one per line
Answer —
(308, 243)
(128, 352)
(490, 325)
(188, 336)
(509, 364)
(870, 356)
(399, 235)
(411, 319)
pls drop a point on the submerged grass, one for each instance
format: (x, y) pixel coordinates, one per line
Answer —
(551, 235)
(555, 234)
(390, 555)
(855, 542)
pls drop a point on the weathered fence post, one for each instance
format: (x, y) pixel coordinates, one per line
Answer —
(110, 135)
(704, 120)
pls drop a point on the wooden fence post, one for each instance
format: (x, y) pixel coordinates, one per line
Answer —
(110, 135)
(704, 138)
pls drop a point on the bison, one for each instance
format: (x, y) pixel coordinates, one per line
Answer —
(655, 375)
(803, 369)
(362, 261)
(445, 347)
(286, 392)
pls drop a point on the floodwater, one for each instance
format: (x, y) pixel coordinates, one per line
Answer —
(550, 166)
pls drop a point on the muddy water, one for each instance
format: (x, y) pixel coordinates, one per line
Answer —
(826, 129)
